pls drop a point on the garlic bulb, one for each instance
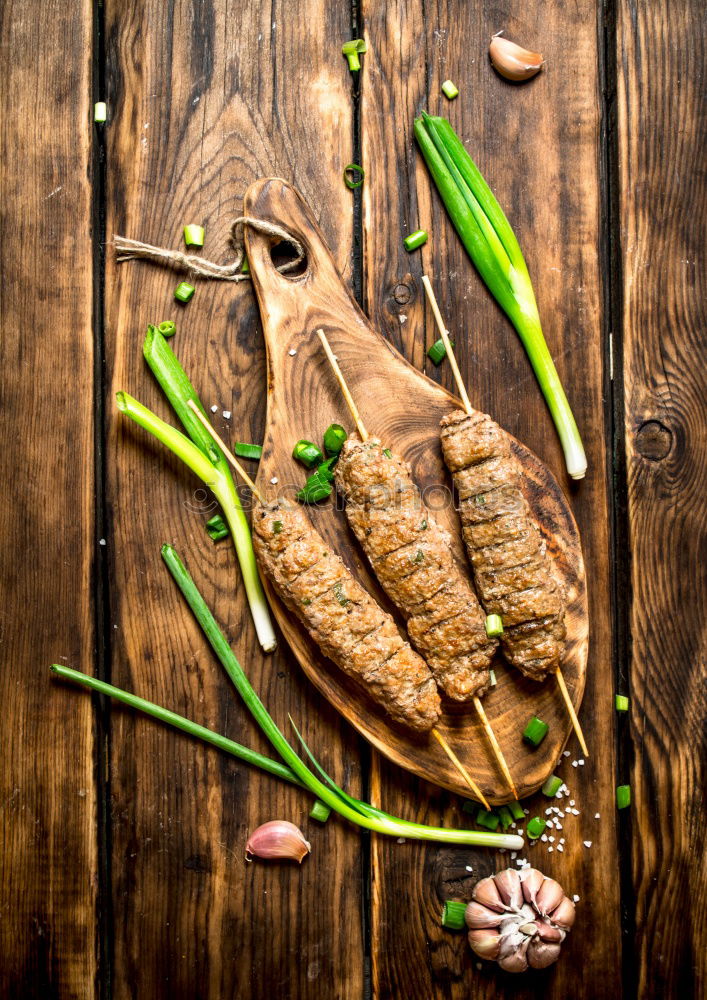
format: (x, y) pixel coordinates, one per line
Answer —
(277, 839)
(512, 61)
(519, 919)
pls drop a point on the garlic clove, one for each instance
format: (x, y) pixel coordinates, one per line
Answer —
(531, 879)
(509, 889)
(512, 61)
(477, 915)
(485, 943)
(564, 914)
(549, 896)
(515, 959)
(541, 954)
(485, 892)
(547, 932)
(277, 839)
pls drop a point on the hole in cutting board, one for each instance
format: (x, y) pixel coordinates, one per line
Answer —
(286, 253)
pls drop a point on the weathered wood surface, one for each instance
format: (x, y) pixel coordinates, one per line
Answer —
(663, 179)
(48, 542)
(205, 97)
(402, 407)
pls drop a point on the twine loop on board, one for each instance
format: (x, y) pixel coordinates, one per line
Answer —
(200, 267)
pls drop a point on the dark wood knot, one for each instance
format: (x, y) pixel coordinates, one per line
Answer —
(402, 293)
(654, 440)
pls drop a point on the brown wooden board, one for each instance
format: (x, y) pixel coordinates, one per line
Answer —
(48, 546)
(537, 145)
(662, 135)
(207, 98)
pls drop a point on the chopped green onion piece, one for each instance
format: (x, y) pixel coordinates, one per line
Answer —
(277, 527)
(307, 453)
(621, 703)
(453, 915)
(492, 245)
(469, 806)
(535, 827)
(438, 352)
(623, 796)
(352, 51)
(340, 596)
(535, 732)
(334, 437)
(506, 817)
(184, 291)
(245, 450)
(552, 786)
(492, 678)
(245, 266)
(316, 488)
(350, 181)
(415, 240)
(217, 528)
(194, 236)
(388, 453)
(419, 556)
(100, 112)
(493, 626)
(167, 328)
(489, 820)
(517, 810)
(326, 469)
(449, 90)
(320, 811)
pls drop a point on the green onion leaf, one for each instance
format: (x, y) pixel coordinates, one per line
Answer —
(351, 180)
(244, 450)
(307, 453)
(535, 732)
(334, 437)
(552, 786)
(494, 626)
(469, 806)
(453, 915)
(167, 328)
(489, 820)
(315, 489)
(184, 291)
(621, 702)
(326, 469)
(516, 809)
(388, 453)
(449, 90)
(623, 796)
(415, 240)
(194, 236)
(438, 352)
(320, 811)
(535, 827)
(491, 243)
(217, 528)
(352, 50)
(506, 817)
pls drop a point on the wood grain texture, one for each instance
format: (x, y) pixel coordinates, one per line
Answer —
(48, 548)
(205, 103)
(662, 133)
(537, 144)
(402, 407)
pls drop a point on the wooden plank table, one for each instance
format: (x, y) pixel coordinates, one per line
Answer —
(121, 865)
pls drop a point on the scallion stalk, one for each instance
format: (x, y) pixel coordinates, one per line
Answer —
(216, 528)
(245, 450)
(453, 915)
(320, 812)
(357, 812)
(535, 732)
(494, 249)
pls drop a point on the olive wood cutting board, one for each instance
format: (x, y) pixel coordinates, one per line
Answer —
(403, 407)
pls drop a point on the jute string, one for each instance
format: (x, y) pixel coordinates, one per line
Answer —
(127, 249)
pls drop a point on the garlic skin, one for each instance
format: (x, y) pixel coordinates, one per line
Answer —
(519, 919)
(512, 61)
(277, 839)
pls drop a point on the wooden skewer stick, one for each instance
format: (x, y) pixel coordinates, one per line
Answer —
(477, 704)
(467, 406)
(226, 450)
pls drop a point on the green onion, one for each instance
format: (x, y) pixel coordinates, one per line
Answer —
(621, 702)
(388, 453)
(493, 247)
(194, 236)
(315, 489)
(623, 796)
(453, 915)
(334, 437)
(360, 813)
(505, 816)
(489, 820)
(350, 171)
(492, 678)
(450, 90)
(326, 469)
(307, 453)
(244, 450)
(245, 266)
(535, 732)
(100, 112)
(320, 812)
(352, 50)
(206, 460)
(217, 528)
(438, 352)
(535, 827)
(277, 527)
(184, 291)
(552, 786)
(517, 810)
(415, 240)
(167, 328)
(469, 806)
(340, 595)
(493, 626)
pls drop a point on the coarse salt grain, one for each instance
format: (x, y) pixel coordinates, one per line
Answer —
(560, 847)
(101, 541)
(526, 811)
(575, 899)
(571, 802)
(587, 843)
(514, 855)
(543, 837)
(574, 763)
(226, 414)
(581, 761)
(551, 839)
(469, 868)
(214, 408)
(596, 815)
(565, 753)
(292, 352)
(403, 319)
(550, 849)
(274, 480)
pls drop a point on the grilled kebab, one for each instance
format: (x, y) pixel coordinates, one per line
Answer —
(513, 570)
(341, 617)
